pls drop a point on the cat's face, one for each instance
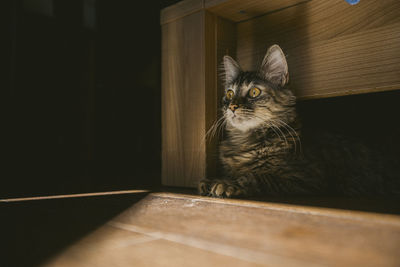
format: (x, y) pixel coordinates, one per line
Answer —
(258, 99)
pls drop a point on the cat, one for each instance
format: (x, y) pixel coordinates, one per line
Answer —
(266, 152)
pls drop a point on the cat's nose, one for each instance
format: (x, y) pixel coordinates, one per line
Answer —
(233, 107)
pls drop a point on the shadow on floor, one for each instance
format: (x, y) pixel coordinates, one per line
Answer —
(34, 231)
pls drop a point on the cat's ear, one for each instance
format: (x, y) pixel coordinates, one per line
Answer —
(274, 67)
(231, 69)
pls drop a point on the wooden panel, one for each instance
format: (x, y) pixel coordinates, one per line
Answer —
(180, 9)
(211, 102)
(226, 45)
(360, 63)
(239, 10)
(183, 98)
(182, 230)
(234, 10)
(114, 246)
(332, 48)
(270, 234)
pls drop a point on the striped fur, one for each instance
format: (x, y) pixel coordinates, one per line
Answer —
(262, 152)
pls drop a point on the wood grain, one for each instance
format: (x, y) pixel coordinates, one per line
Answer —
(180, 9)
(226, 45)
(193, 47)
(116, 245)
(332, 48)
(183, 101)
(167, 229)
(234, 10)
(239, 10)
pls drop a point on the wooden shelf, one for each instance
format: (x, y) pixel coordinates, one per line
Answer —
(332, 48)
(237, 10)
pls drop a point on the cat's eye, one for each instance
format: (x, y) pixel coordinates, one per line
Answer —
(254, 92)
(229, 94)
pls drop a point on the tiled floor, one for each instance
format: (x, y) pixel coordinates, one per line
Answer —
(166, 229)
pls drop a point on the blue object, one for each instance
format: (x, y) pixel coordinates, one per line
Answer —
(353, 2)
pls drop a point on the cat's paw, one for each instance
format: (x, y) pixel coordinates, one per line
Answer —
(226, 189)
(204, 187)
(220, 188)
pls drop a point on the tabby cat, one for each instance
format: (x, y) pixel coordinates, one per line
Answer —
(262, 152)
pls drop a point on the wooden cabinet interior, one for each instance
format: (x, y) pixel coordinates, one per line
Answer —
(333, 49)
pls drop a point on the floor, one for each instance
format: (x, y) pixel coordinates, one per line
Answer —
(138, 228)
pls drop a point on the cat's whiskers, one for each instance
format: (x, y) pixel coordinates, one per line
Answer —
(288, 127)
(291, 135)
(271, 124)
(283, 135)
(223, 125)
(214, 129)
(218, 126)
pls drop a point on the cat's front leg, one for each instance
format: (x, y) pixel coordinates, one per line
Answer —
(224, 187)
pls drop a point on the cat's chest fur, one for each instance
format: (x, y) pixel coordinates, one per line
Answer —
(244, 153)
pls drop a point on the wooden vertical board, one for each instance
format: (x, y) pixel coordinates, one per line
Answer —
(189, 98)
(190, 60)
(183, 98)
(332, 48)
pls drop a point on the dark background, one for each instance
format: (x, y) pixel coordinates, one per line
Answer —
(80, 96)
